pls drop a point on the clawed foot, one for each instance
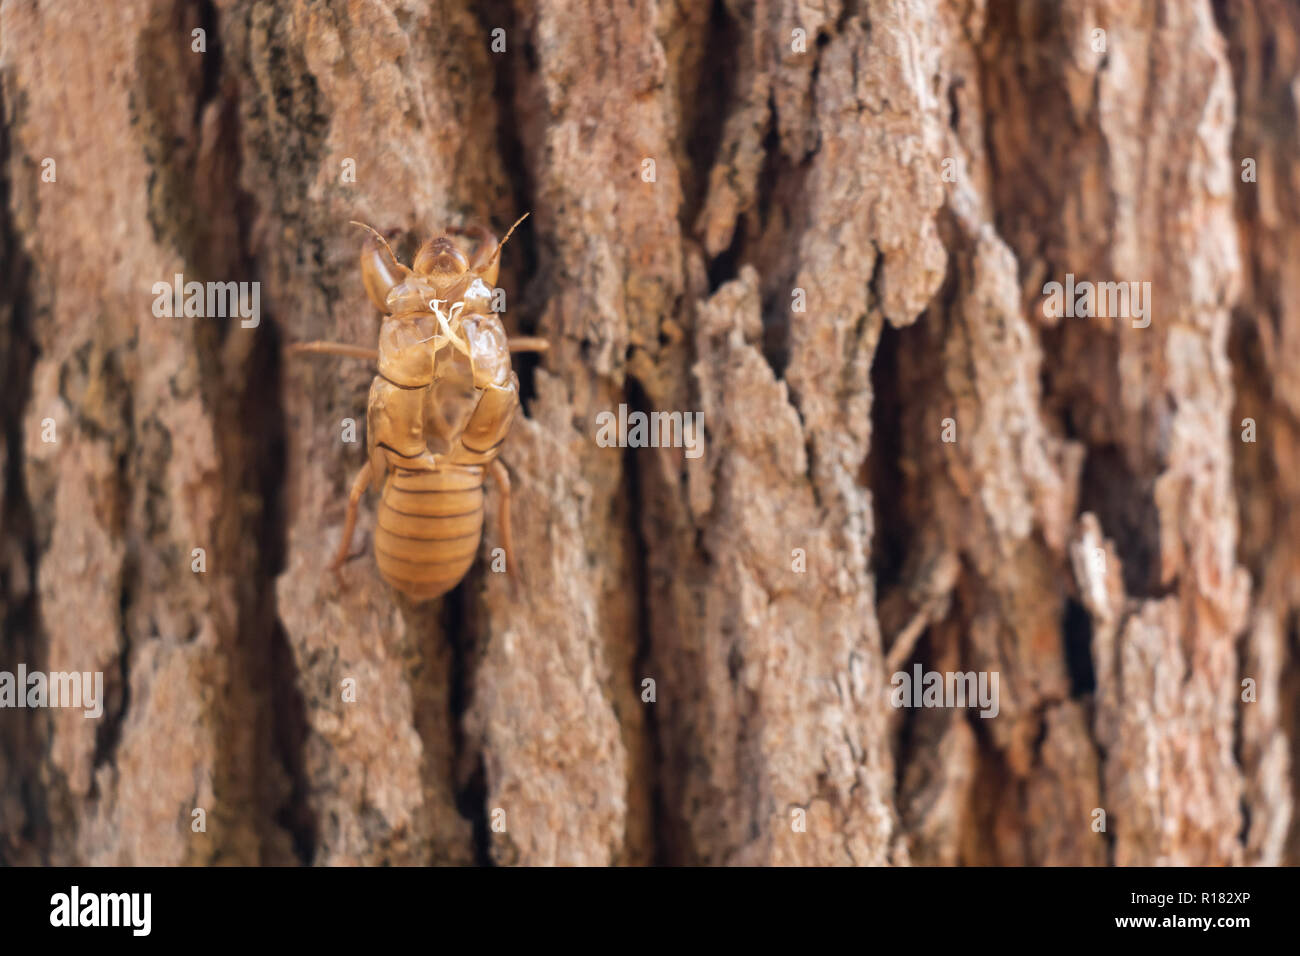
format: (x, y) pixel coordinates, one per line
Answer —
(336, 566)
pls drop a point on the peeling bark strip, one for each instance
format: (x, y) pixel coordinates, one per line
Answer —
(826, 240)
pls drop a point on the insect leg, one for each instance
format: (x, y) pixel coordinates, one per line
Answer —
(483, 261)
(359, 485)
(529, 343)
(380, 270)
(502, 478)
(332, 348)
(485, 243)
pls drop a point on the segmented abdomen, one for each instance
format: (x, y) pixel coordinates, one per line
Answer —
(429, 527)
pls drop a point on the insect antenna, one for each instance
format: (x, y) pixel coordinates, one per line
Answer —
(375, 232)
(509, 233)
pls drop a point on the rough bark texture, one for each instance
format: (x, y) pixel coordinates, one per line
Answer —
(916, 172)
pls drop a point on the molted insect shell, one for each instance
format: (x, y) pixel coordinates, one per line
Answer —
(440, 408)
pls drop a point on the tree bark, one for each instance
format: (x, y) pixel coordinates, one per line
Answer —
(828, 229)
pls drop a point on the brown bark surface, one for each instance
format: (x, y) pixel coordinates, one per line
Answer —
(913, 173)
